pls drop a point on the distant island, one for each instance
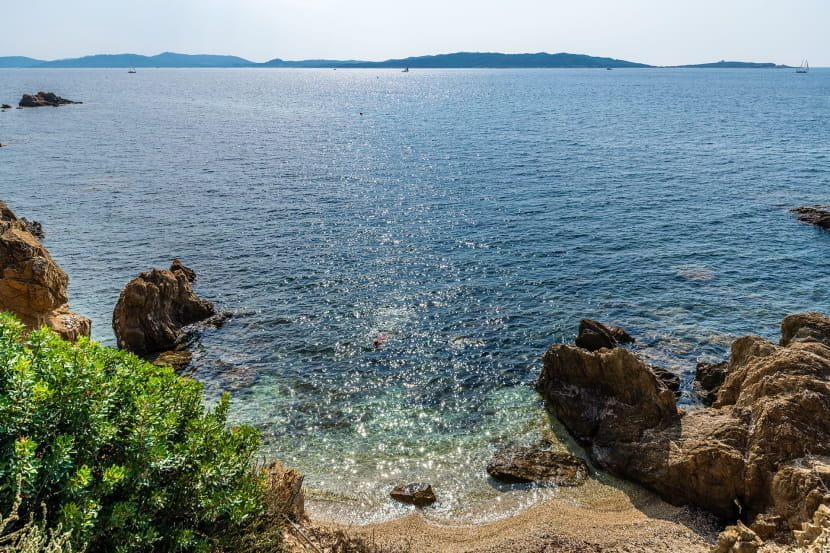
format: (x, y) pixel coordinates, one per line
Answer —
(458, 60)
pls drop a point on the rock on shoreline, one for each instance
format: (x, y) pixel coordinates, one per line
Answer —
(525, 464)
(759, 453)
(32, 285)
(155, 308)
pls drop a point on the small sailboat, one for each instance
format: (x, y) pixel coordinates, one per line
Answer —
(132, 70)
(804, 67)
(405, 70)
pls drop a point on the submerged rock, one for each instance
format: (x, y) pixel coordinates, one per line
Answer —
(745, 455)
(418, 494)
(525, 464)
(178, 359)
(32, 285)
(42, 99)
(155, 307)
(818, 215)
(594, 335)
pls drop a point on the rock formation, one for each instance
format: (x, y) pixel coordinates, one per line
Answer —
(594, 335)
(818, 215)
(760, 450)
(418, 494)
(32, 285)
(155, 307)
(525, 464)
(708, 379)
(42, 99)
(285, 490)
(737, 539)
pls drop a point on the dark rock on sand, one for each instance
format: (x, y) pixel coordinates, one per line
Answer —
(818, 215)
(594, 335)
(32, 285)
(708, 379)
(155, 307)
(418, 494)
(525, 464)
(42, 99)
(762, 449)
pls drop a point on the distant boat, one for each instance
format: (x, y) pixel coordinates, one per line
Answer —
(405, 70)
(132, 70)
(804, 67)
(608, 68)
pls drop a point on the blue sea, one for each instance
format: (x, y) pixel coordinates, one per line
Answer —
(465, 218)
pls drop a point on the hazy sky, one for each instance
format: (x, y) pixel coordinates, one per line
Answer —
(658, 32)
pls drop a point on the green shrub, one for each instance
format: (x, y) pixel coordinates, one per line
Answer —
(122, 454)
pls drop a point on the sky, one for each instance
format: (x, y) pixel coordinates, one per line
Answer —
(658, 32)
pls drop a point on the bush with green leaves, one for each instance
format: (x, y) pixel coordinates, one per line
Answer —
(122, 454)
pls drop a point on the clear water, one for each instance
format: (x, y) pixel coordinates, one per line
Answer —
(470, 217)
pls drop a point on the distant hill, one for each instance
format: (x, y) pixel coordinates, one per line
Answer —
(19, 61)
(734, 65)
(166, 59)
(459, 60)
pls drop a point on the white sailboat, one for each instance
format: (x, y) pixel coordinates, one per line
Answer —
(132, 70)
(804, 67)
(406, 70)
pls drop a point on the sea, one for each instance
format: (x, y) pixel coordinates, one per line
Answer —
(463, 220)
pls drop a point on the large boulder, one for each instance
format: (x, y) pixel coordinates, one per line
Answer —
(419, 494)
(42, 99)
(756, 451)
(526, 464)
(32, 285)
(155, 307)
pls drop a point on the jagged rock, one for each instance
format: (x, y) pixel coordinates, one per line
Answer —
(818, 215)
(155, 307)
(671, 380)
(805, 327)
(418, 494)
(525, 464)
(737, 539)
(709, 378)
(766, 526)
(814, 535)
(32, 285)
(285, 490)
(35, 228)
(745, 455)
(42, 99)
(594, 335)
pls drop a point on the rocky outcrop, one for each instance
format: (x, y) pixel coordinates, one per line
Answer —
(32, 285)
(42, 99)
(154, 309)
(818, 215)
(759, 450)
(525, 464)
(285, 490)
(814, 535)
(594, 335)
(418, 494)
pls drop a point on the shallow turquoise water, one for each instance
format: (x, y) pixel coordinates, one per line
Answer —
(471, 217)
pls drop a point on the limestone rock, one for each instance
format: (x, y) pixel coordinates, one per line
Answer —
(418, 494)
(814, 535)
(818, 215)
(42, 99)
(760, 449)
(737, 539)
(285, 490)
(153, 309)
(525, 464)
(594, 335)
(32, 285)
